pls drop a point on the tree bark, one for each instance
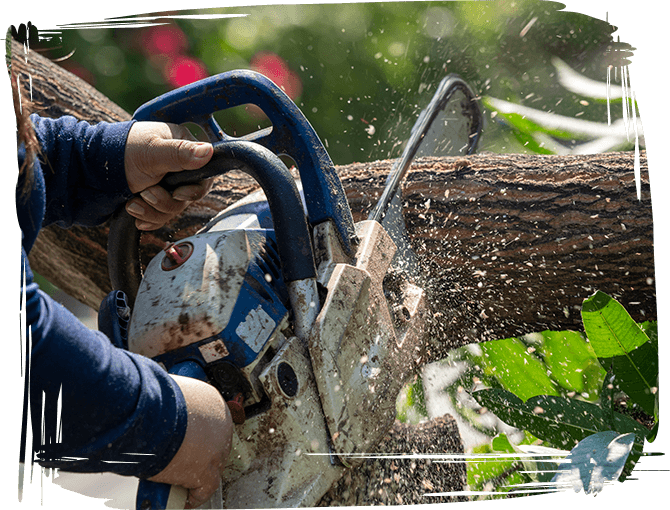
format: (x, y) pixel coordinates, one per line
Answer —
(508, 244)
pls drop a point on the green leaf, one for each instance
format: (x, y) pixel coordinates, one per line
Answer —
(411, 404)
(609, 328)
(572, 362)
(485, 470)
(636, 374)
(561, 421)
(530, 142)
(501, 443)
(516, 369)
(625, 347)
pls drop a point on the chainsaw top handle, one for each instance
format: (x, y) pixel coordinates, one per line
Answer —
(291, 134)
(288, 216)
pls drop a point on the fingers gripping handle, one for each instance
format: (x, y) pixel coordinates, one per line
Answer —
(293, 239)
(291, 134)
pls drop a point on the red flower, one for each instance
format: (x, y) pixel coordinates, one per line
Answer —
(275, 68)
(163, 40)
(183, 70)
(165, 46)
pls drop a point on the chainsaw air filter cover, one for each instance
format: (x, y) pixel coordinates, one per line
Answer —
(225, 301)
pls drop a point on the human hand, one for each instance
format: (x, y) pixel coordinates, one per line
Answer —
(154, 149)
(198, 463)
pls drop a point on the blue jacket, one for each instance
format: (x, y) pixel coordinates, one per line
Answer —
(120, 412)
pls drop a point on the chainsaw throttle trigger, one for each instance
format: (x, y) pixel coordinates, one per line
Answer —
(291, 134)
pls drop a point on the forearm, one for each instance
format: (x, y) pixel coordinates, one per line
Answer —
(114, 403)
(83, 167)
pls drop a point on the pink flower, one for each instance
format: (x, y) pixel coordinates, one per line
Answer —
(166, 46)
(163, 40)
(275, 68)
(183, 70)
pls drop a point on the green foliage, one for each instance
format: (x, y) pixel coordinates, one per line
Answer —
(559, 421)
(500, 466)
(546, 132)
(624, 349)
(628, 355)
(411, 402)
(352, 66)
(559, 363)
(516, 369)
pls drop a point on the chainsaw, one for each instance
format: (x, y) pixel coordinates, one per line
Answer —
(306, 322)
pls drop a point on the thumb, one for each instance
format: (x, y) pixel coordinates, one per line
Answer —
(156, 148)
(185, 154)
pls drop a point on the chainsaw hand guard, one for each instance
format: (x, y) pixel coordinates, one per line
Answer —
(285, 204)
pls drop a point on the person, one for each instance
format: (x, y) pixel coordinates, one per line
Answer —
(119, 412)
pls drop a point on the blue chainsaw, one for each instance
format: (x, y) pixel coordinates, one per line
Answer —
(306, 322)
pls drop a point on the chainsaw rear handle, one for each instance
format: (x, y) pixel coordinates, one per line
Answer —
(291, 134)
(157, 495)
(293, 235)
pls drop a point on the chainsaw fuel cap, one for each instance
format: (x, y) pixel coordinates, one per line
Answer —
(176, 255)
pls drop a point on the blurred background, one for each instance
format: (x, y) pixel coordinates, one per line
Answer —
(362, 72)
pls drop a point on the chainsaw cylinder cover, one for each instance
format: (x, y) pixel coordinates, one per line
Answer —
(226, 301)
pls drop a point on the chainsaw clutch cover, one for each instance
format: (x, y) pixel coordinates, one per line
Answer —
(365, 342)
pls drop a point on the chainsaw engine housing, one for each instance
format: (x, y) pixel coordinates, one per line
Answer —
(312, 408)
(223, 306)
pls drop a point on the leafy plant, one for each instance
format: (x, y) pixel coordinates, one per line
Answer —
(598, 393)
(411, 402)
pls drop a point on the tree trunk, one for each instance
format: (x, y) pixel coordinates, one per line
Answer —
(508, 244)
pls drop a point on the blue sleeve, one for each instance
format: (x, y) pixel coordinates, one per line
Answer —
(119, 412)
(83, 168)
(94, 407)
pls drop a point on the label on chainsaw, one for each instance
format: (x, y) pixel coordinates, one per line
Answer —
(256, 328)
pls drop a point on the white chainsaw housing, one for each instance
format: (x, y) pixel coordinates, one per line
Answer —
(327, 402)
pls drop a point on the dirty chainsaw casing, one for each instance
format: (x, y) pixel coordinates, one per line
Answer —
(306, 323)
(310, 409)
